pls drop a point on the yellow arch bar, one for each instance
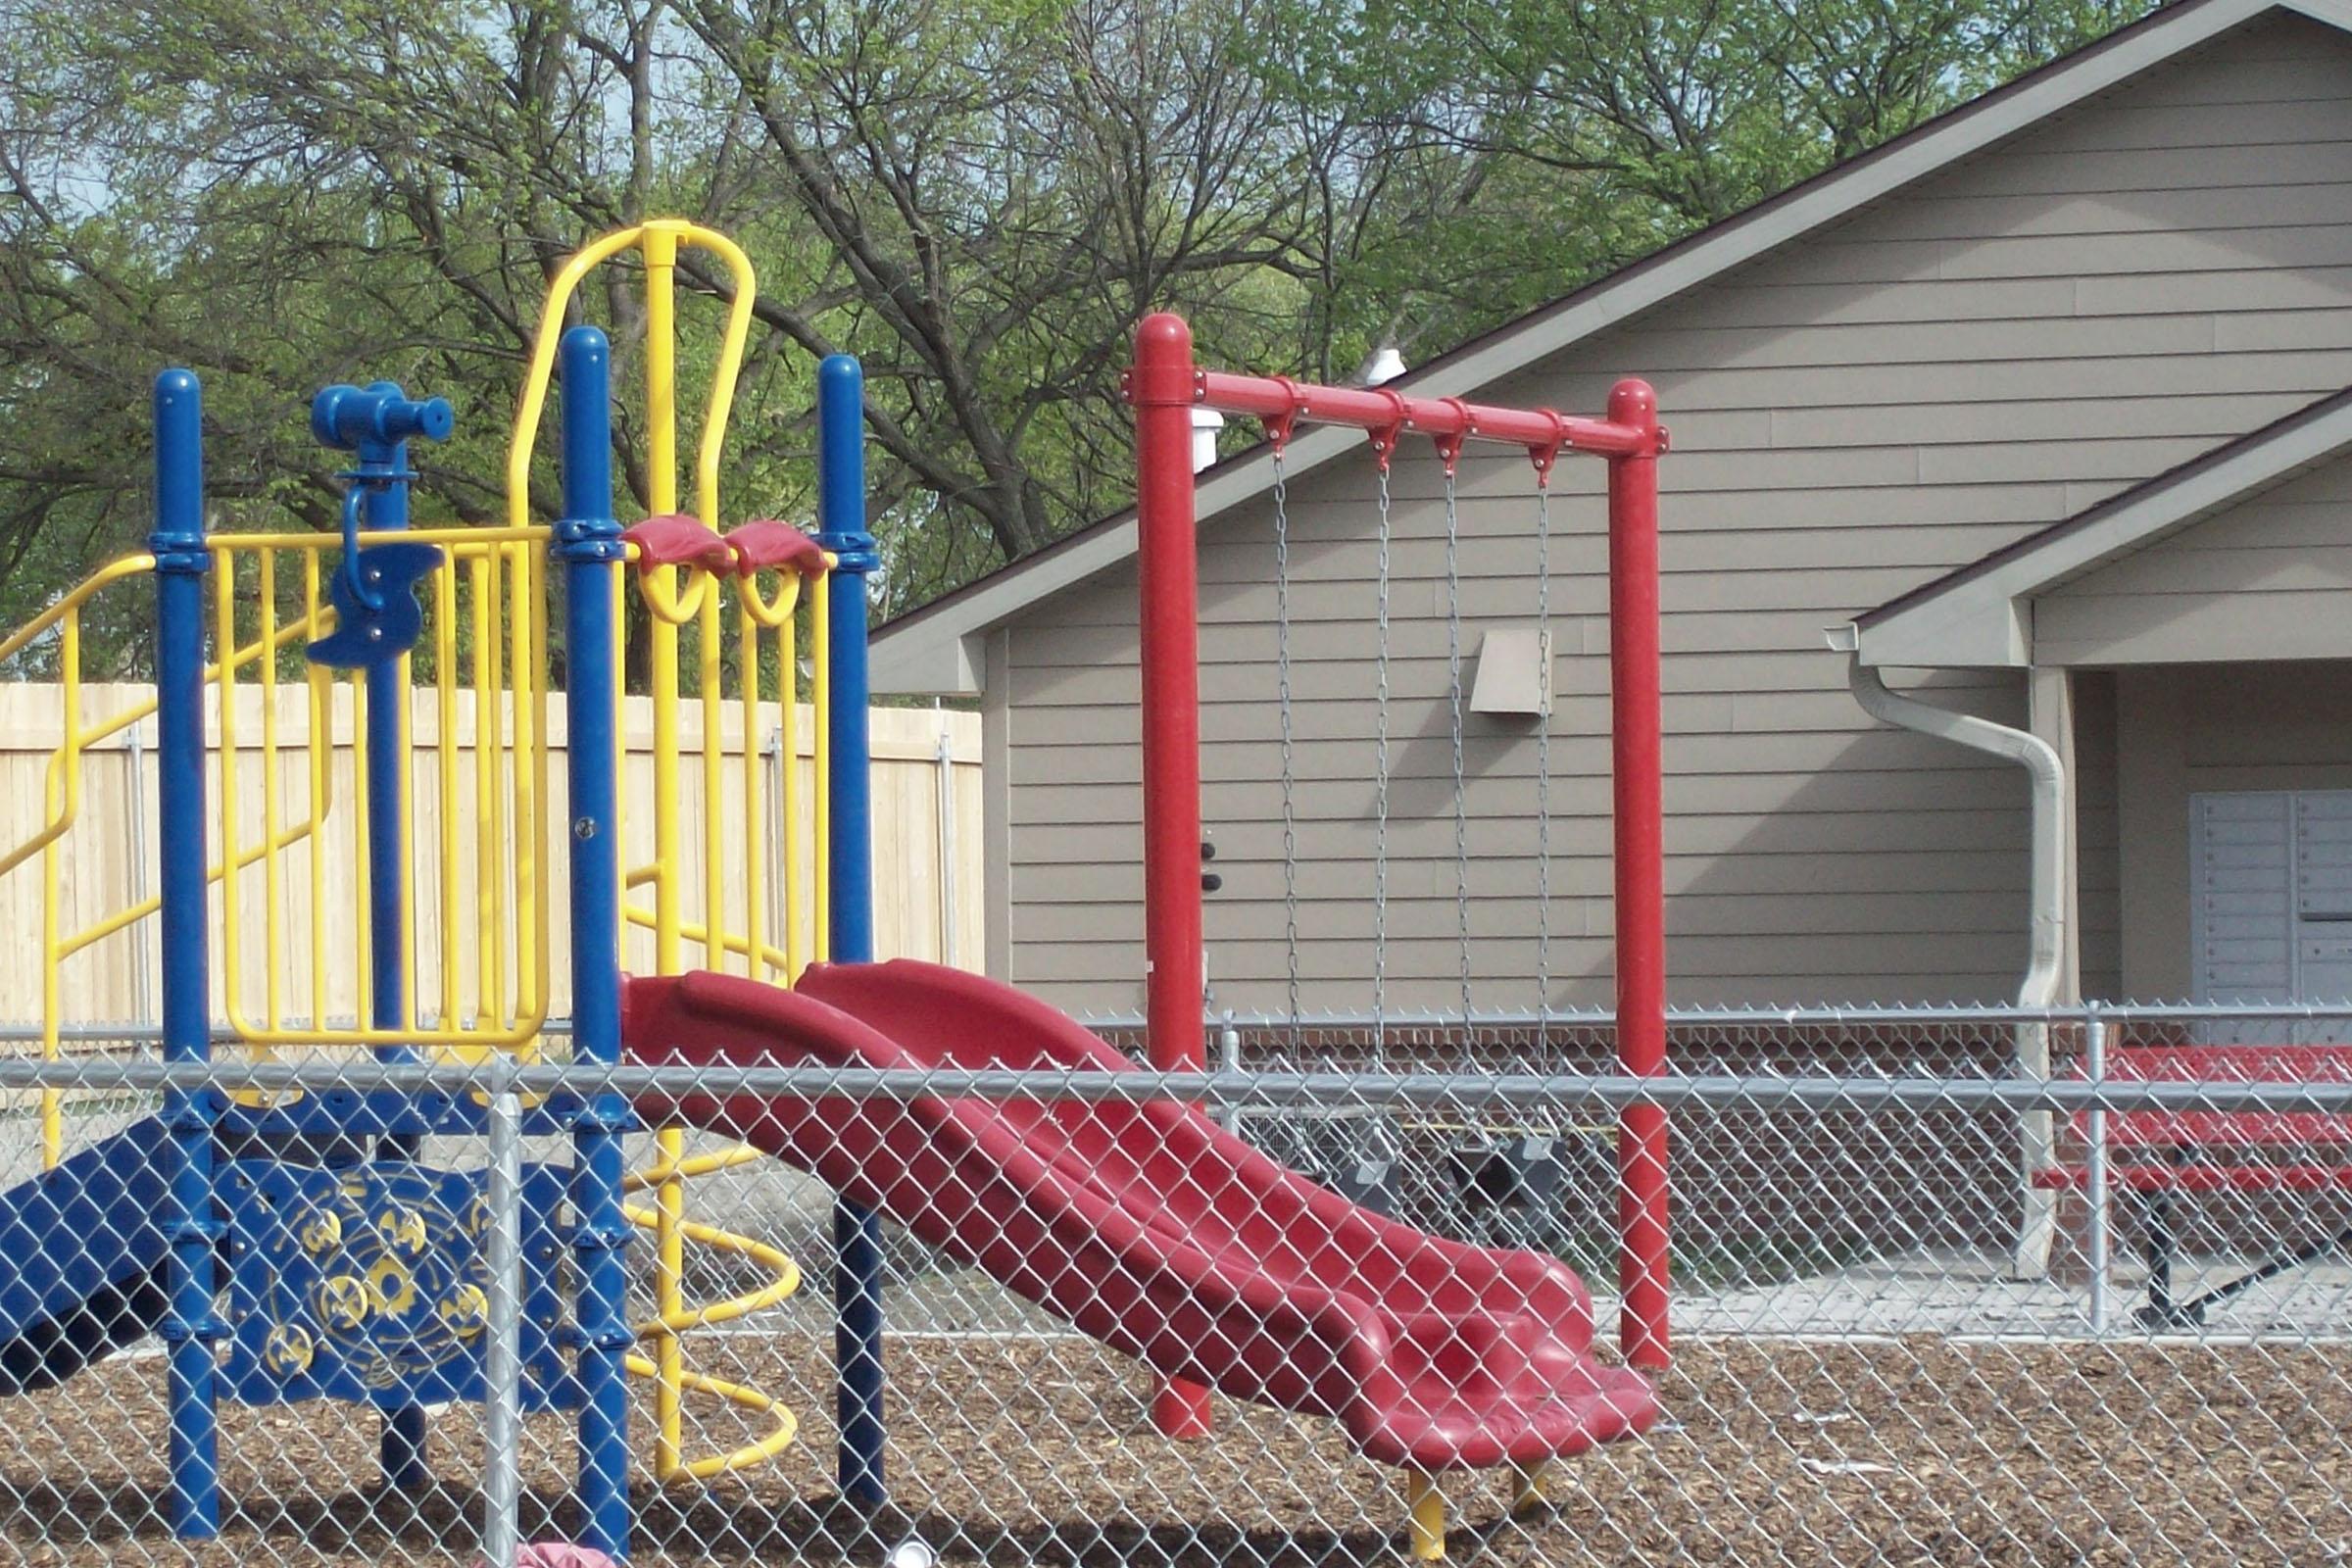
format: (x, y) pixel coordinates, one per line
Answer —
(659, 239)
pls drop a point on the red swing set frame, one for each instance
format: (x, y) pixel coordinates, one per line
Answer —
(1165, 385)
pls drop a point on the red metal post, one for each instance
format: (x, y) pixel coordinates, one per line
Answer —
(1164, 386)
(1637, 768)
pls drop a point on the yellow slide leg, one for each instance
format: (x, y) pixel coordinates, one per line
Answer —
(1426, 1517)
(1526, 1488)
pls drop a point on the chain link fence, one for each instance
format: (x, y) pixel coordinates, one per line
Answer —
(1925, 1310)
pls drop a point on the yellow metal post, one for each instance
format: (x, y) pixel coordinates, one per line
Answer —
(445, 770)
(1425, 1505)
(61, 779)
(532, 904)
(710, 647)
(820, 705)
(322, 685)
(660, 249)
(272, 878)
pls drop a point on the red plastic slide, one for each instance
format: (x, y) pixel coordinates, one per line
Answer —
(1148, 1227)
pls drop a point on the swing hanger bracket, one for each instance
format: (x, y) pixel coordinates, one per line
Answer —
(1449, 443)
(1544, 454)
(1283, 424)
(1385, 433)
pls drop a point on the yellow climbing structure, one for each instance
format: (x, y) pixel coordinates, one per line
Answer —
(733, 873)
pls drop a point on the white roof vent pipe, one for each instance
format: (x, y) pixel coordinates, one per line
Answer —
(1207, 422)
(1384, 365)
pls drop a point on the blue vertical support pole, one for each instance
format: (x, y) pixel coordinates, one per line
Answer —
(588, 542)
(193, 1231)
(857, 1231)
(374, 424)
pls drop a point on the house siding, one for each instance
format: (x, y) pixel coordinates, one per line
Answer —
(2264, 579)
(2103, 297)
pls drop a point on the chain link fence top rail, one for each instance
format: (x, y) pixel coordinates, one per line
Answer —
(1865, 1366)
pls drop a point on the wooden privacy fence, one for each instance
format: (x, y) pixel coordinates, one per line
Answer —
(926, 824)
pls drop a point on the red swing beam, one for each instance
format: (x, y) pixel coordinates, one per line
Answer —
(1164, 385)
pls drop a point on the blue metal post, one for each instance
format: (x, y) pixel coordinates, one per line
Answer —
(588, 541)
(180, 561)
(374, 424)
(857, 1232)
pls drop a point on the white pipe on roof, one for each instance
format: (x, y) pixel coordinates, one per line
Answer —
(1207, 422)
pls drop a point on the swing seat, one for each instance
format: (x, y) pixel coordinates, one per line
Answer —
(1369, 1184)
(1150, 1227)
(1513, 1174)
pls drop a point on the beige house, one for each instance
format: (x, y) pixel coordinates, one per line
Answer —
(2039, 412)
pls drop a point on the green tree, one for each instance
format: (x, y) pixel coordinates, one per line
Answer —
(978, 197)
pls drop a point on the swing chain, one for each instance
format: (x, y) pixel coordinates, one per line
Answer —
(1544, 759)
(1380, 796)
(1543, 457)
(1282, 679)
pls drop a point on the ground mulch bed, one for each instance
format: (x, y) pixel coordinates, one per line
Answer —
(1019, 1452)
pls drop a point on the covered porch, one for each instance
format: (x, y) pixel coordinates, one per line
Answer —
(2187, 650)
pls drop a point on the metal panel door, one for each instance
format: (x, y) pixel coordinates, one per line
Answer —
(2271, 897)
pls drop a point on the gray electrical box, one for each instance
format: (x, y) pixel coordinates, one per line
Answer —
(1514, 673)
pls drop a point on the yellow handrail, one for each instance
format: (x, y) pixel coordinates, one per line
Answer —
(63, 797)
(491, 573)
(64, 617)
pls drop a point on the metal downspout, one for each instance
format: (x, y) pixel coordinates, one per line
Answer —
(2045, 965)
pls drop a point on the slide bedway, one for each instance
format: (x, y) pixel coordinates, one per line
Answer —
(372, 854)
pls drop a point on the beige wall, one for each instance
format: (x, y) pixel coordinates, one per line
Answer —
(105, 860)
(2187, 729)
(2108, 295)
(2267, 579)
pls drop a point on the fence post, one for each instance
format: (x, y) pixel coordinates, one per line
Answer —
(857, 1231)
(502, 1394)
(2094, 1061)
(588, 541)
(193, 1234)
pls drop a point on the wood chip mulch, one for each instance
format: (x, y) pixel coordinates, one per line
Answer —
(1023, 1451)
